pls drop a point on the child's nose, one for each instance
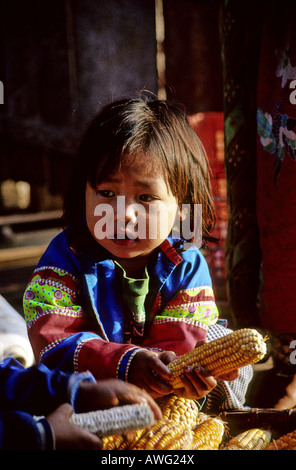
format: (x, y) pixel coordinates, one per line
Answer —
(126, 210)
(131, 212)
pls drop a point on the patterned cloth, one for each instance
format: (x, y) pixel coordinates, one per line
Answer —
(259, 64)
(240, 50)
(276, 168)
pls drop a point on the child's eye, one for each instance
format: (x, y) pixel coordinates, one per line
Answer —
(147, 198)
(105, 193)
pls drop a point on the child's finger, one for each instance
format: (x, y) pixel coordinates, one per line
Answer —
(167, 356)
(200, 379)
(159, 367)
(230, 376)
(205, 377)
(157, 384)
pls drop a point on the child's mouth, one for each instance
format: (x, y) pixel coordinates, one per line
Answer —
(124, 239)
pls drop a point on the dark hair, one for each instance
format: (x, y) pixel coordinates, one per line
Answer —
(154, 128)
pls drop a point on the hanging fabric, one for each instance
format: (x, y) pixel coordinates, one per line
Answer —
(240, 36)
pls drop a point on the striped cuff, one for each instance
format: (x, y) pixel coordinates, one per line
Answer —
(46, 434)
(124, 364)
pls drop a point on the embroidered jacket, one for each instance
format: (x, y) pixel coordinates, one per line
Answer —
(76, 319)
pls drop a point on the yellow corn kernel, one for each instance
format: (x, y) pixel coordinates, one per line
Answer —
(285, 442)
(252, 439)
(182, 440)
(174, 431)
(170, 433)
(113, 442)
(201, 417)
(208, 435)
(178, 409)
(132, 437)
(153, 442)
(155, 433)
(177, 414)
(168, 436)
(222, 355)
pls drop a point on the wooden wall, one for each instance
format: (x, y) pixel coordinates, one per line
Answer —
(60, 61)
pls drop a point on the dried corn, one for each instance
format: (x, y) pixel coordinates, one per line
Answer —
(179, 409)
(252, 439)
(167, 435)
(114, 442)
(178, 438)
(285, 442)
(174, 431)
(132, 437)
(222, 355)
(151, 438)
(178, 414)
(116, 420)
(208, 435)
(124, 441)
(201, 417)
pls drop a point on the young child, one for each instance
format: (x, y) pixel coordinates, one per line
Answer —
(36, 405)
(117, 292)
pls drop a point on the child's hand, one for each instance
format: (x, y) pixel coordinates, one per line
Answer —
(197, 383)
(112, 392)
(147, 369)
(68, 436)
(230, 376)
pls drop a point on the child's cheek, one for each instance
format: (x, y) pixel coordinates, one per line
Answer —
(161, 220)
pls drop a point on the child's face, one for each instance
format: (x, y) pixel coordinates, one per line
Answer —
(132, 211)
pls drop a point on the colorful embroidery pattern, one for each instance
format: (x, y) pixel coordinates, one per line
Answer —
(277, 137)
(196, 305)
(50, 290)
(276, 132)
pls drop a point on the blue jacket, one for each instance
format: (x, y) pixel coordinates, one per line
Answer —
(26, 396)
(77, 320)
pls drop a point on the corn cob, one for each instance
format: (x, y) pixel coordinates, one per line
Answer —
(172, 432)
(132, 437)
(252, 439)
(179, 409)
(222, 355)
(115, 420)
(167, 435)
(151, 438)
(201, 417)
(285, 442)
(124, 441)
(177, 414)
(178, 438)
(114, 442)
(208, 435)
